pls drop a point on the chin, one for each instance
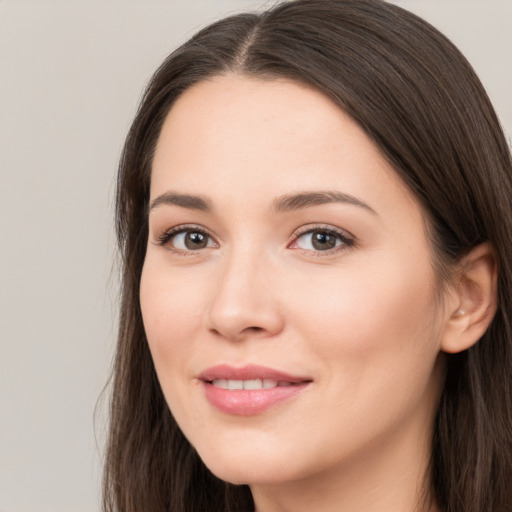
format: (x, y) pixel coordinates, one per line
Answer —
(240, 475)
(250, 467)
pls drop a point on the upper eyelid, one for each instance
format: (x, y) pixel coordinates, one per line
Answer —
(308, 228)
(301, 230)
(187, 227)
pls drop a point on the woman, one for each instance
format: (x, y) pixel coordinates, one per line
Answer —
(315, 220)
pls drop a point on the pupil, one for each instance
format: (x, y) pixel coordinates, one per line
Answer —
(323, 241)
(195, 240)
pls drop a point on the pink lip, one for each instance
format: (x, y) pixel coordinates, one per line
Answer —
(248, 372)
(245, 402)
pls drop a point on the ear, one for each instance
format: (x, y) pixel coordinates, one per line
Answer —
(473, 305)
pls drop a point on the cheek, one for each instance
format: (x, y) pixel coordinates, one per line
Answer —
(377, 325)
(373, 337)
(171, 316)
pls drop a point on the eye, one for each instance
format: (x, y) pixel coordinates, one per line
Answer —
(191, 240)
(185, 239)
(322, 240)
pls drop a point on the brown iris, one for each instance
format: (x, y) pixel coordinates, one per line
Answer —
(195, 240)
(323, 241)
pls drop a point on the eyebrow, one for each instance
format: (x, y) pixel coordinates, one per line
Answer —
(301, 200)
(286, 203)
(184, 200)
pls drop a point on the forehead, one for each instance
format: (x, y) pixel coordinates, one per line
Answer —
(238, 136)
(238, 118)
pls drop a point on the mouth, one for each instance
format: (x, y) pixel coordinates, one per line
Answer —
(250, 384)
(249, 390)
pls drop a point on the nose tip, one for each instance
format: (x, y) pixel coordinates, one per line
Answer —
(232, 332)
(238, 316)
(244, 305)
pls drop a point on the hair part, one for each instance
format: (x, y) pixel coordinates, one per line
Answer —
(421, 103)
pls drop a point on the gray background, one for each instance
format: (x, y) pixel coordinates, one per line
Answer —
(71, 73)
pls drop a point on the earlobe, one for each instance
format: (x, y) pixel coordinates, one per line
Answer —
(476, 285)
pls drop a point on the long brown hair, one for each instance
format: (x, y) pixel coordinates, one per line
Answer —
(421, 103)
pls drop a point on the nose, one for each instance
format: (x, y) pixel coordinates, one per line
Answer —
(245, 301)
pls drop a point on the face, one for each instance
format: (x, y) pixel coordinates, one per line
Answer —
(288, 263)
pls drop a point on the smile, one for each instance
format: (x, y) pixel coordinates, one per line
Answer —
(249, 384)
(249, 390)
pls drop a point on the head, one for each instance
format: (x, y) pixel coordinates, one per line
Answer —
(410, 103)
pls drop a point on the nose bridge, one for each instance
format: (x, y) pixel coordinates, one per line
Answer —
(243, 300)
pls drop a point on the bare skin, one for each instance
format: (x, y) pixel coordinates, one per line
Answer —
(338, 287)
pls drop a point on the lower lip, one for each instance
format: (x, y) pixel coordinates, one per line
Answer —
(245, 402)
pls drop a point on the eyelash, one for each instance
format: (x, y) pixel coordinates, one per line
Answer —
(347, 240)
(168, 235)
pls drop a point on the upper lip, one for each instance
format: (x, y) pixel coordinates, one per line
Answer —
(248, 372)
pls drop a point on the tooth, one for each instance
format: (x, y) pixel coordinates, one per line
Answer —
(220, 383)
(235, 384)
(249, 384)
(253, 384)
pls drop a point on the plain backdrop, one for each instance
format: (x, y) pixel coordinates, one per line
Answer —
(71, 74)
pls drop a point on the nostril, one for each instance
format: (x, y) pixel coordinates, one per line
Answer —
(254, 329)
(246, 330)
